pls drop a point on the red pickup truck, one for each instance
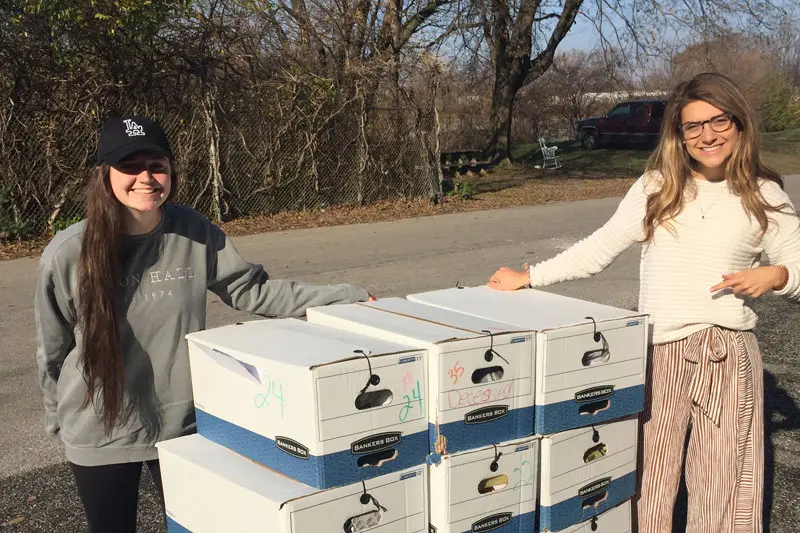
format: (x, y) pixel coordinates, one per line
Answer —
(632, 122)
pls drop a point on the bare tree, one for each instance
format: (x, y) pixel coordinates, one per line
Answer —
(508, 28)
(577, 79)
(522, 37)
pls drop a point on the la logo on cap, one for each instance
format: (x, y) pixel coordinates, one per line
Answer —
(132, 128)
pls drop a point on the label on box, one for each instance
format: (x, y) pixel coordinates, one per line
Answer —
(594, 487)
(486, 414)
(491, 522)
(409, 475)
(594, 394)
(292, 447)
(375, 443)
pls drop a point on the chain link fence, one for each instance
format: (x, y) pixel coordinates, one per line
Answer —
(282, 153)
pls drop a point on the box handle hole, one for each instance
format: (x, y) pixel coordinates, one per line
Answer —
(595, 501)
(377, 459)
(595, 452)
(488, 374)
(375, 398)
(594, 407)
(493, 484)
(362, 522)
(596, 357)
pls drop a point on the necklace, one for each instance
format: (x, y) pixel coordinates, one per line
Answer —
(707, 209)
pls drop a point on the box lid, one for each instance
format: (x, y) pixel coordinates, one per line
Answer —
(222, 462)
(293, 342)
(525, 308)
(446, 317)
(494, 448)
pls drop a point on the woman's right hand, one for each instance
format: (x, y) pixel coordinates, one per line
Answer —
(508, 279)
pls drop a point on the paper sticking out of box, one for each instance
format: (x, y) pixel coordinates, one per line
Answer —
(585, 472)
(208, 489)
(323, 406)
(615, 520)
(480, 371)
(490, 488)
(589, 358)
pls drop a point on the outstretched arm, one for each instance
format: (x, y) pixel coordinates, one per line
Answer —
(248, 287)
(590, 255)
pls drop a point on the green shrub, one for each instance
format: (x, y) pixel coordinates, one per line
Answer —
(780, 108)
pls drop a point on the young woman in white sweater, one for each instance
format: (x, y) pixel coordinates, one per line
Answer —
(705, 211)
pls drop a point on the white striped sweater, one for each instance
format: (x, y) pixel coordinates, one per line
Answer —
(712, 236)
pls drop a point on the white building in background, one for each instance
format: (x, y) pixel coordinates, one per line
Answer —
(617, 96)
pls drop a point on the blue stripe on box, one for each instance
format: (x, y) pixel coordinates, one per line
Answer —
(523, 523)
(561, 416)
(322, 472)
(571, 511)
(517, 424)
(174, 527)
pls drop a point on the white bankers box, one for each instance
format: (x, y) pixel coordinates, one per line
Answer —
(590, 358)
(486, 489)
(210, 489)
(480, 384)
(586, 471)
(616, 520)
(323, 406)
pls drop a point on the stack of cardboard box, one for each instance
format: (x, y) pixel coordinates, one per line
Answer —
(589, 373)
(462, 410)
(482, 454)
(301, 428)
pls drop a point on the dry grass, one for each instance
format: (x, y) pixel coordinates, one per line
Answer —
(524, 192)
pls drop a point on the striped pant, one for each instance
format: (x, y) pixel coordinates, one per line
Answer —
(715, 377)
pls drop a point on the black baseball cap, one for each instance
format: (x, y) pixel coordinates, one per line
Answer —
(122, 136)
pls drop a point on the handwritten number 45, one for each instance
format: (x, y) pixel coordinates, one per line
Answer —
(416, 395)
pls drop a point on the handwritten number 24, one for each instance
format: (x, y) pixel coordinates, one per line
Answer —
(416, 396)
(262, 400)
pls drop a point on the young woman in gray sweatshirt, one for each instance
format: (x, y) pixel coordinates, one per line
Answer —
(116, 294)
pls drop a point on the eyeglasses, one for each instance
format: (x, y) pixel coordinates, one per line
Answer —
(719, 124)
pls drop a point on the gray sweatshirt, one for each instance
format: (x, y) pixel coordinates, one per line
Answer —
(162, 297)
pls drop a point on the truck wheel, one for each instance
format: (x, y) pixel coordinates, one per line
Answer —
(590, 140)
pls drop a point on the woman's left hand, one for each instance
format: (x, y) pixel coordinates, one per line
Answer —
(508, 279)
(752, 282)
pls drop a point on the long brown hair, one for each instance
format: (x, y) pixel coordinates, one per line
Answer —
(671, 160)
(99, 275)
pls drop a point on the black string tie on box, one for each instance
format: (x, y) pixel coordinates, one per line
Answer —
(495, 464)
(491, 352)
(373, 379)
(366, 498)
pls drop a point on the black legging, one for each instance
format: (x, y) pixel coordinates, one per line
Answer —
(110, 494)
